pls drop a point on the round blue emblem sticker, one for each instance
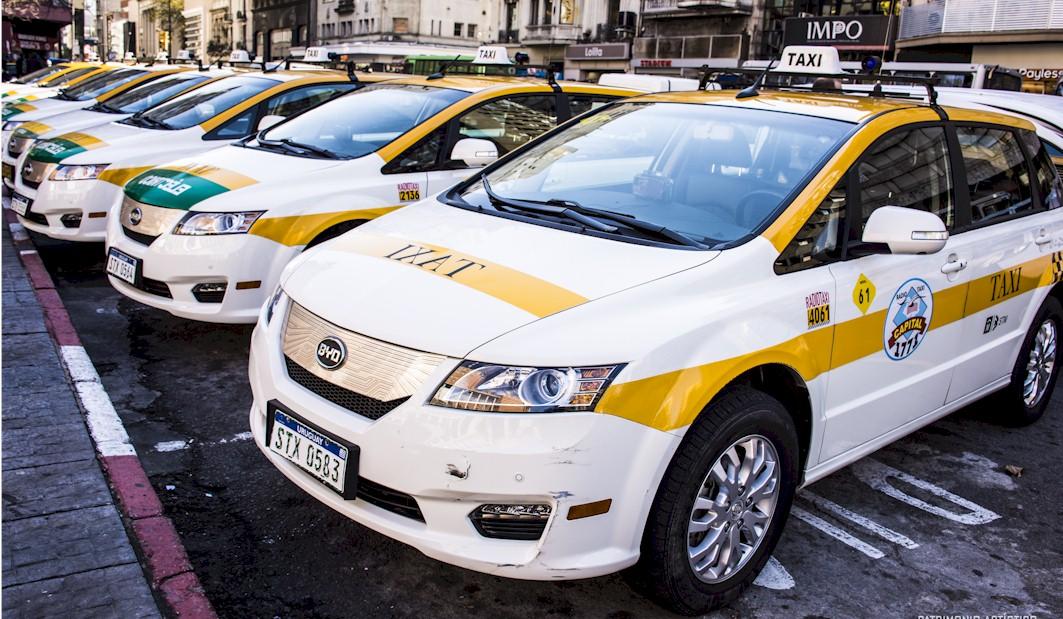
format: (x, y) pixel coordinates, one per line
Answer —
(908, 318)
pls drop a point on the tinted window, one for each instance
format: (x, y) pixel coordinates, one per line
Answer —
(202, 104)
(66, 77)
(236, 127)
(578, 104)
(997, 175)
(153, 93)
(302, 99)
(1046, 178)
(817, 242)
(421, 157)
(510, 122)
(711, 172)
(908, 168)
(96, 86)
(39, 74)
(363, 121)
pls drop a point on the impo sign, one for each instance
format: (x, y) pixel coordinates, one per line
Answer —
(855, 32)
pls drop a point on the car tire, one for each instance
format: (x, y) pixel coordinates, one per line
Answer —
(1015, 405)
(666, 571)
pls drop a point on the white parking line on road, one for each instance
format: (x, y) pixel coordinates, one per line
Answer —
(774, 576)
(167, 446)
(836, 533)
(103, 421)
(862, 521)
(877, 475)
(18, 232)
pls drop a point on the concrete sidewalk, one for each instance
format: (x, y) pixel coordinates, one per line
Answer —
(65, 549)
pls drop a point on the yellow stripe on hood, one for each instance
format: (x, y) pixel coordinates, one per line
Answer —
(226, 178)
(529, 293)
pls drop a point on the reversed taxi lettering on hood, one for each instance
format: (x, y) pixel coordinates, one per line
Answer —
(529, 293)
(183, 186)
(31, 129)
(67, 145)
(19, 108)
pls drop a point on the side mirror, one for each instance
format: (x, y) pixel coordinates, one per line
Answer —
(474, 152)
(268, 121)
(906, 230)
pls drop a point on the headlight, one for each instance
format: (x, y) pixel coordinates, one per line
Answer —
(77, 172)
(11, 124)
(513, 389)
(273, 302)
(198, 224)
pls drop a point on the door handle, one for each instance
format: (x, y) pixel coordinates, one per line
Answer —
(954, 265)
(1042, 237)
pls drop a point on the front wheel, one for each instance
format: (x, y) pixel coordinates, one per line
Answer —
(1033, 378)
(722, 504)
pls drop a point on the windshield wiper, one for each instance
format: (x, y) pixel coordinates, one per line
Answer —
(151, 123)
(292, 146)
(62, 94)
(103, 107)
(555, 205)
(511, 205)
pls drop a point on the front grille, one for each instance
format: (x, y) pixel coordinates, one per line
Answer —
(517, 527)
(36, 218)
(354, 402)
(17, 145)
(33, 173)
(143, 239)
(388, 499)
(155, 287)
(31, 184)
(209, 296)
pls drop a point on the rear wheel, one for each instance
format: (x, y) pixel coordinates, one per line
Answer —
(722, 504)
(1033, 378)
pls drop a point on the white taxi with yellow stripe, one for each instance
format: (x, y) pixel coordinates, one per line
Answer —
(632, 341)
(206, 237)
(46, 82)
(65, 186)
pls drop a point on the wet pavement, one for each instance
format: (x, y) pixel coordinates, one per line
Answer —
(932, 525)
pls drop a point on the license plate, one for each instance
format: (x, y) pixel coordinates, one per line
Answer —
(122, 265)
(324, 458)
(20, 204)
(9, 172)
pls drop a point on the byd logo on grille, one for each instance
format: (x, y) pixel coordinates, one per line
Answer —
(331, 353)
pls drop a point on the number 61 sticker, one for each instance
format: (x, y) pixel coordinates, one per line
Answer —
(863, 293)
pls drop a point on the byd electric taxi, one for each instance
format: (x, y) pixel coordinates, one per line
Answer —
(206, 237)
(630, 342)
(65, 186)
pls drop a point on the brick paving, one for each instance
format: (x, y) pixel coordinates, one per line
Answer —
(66, 552)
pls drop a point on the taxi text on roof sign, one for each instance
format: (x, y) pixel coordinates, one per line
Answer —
(810, 59)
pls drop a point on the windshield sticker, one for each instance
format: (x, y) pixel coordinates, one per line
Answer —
(908, 318)
(863, 293)
(66, 145)
(409, 192)
(817, 306)
(182, 187)
(31, 130)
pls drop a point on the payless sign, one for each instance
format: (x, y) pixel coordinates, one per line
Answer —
(851, 32)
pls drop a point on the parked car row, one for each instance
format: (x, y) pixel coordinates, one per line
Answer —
(553, 330)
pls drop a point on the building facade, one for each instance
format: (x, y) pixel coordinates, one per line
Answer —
(988, 32)
(32, 33)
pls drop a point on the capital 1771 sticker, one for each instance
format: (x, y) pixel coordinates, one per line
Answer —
(908, 318)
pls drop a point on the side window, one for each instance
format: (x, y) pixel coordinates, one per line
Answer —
(997, 175)
(818, 241)
(1046, 179)
(301, 99)
(421, 157)
(510, 122)
(237, 127)
(579, 103)
(908, 168)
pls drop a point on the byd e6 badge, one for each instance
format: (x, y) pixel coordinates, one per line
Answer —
(908, 318)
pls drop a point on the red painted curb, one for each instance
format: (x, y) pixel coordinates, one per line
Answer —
(166, 560)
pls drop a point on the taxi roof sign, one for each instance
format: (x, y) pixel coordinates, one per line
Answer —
(239, 55)
(492, 54)
(815, 59)
(316, 54)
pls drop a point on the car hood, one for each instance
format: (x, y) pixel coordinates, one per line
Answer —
(446, 280)
(64, 122)
(203, 180)
(42, 108)
(110, 143)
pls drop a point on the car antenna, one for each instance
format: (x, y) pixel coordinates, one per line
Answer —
(442, 72)
(351, 75)
(752, 89)
(284, 61)
(704, 81)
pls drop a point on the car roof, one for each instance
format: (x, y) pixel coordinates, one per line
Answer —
(480, 83)
(852, 108)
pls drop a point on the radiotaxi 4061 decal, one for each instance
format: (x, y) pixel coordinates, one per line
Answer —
(817, 306)
(908, 318)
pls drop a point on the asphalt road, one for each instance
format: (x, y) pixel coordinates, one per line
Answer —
(931, 525)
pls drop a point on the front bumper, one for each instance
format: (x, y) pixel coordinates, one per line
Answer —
(60, 203)
(452, 461)
(175, 264)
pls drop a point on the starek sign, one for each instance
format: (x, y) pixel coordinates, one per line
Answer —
(848, 32)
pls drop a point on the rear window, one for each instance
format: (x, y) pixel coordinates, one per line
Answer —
(204, 103)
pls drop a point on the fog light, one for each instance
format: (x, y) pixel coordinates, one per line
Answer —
(209, 292)
(524, 521)
(71, 220)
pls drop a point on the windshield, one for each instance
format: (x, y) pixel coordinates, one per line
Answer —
(39, 74)
(152, 93)
(363, 121)
(96, 86)
(713, 174)
(66, 77)
(202, 104)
